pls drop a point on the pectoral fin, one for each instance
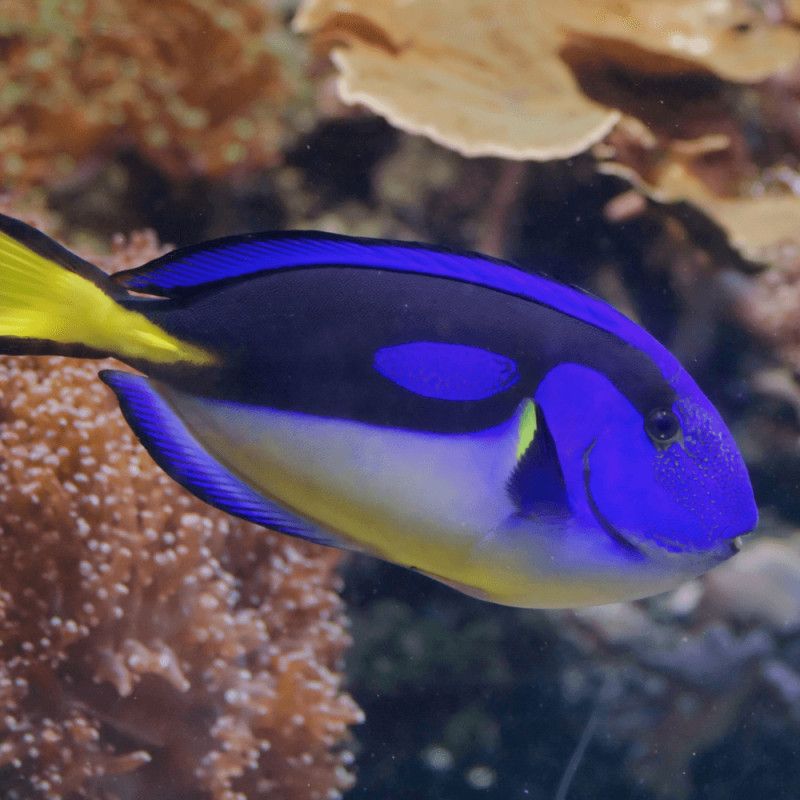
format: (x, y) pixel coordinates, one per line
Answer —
(182, 457)
(537, 484)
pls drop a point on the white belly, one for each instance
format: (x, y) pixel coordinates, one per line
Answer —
(419, 499)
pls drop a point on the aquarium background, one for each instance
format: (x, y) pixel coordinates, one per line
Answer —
(647, 152)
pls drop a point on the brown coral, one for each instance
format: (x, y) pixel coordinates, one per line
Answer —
(499, 78)
(190, 84)
(150, 646)
(707, 84)
(757, 210)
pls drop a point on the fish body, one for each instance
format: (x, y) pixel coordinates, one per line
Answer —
(515, 438)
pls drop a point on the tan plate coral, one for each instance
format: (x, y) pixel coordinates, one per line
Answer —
(493, 77)
(752, 222)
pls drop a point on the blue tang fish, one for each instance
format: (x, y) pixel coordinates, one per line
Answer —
(512, 437)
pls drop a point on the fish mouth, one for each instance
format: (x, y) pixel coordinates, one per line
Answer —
(616, 535)
(736, 544)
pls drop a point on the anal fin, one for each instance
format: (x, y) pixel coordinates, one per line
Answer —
(182, 457)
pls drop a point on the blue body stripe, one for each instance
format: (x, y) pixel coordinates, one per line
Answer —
(239, 256)
(176, 451)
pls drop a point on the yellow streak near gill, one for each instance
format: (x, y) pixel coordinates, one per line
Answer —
(527, 428)
(40, 299)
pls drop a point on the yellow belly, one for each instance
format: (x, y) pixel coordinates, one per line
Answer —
(427, 501)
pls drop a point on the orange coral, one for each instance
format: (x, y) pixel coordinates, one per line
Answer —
(191, 84)
(151, 646)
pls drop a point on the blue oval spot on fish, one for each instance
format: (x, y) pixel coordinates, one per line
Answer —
(447, 371)
(515, 438)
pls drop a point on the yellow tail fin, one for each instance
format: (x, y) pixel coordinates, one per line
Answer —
(52, 300)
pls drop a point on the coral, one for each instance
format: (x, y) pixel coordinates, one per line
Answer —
(192, 85)
(504, 78)
(756, 209)
(447, 75)
(688, 100)
(151, 646)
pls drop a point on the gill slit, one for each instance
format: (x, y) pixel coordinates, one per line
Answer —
(598, 515)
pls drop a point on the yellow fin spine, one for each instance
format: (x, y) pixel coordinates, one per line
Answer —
(527, 428)
(47, 301)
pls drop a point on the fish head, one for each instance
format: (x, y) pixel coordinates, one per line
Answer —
(666, 483)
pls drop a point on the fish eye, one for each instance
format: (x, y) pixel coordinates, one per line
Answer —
(662, 426)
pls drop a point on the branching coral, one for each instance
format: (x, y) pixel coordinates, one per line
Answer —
(190, 84)
(150, 646)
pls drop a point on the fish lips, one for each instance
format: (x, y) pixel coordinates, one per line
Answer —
(723, 548)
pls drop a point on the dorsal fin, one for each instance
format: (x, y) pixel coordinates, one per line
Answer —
(189, 269)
